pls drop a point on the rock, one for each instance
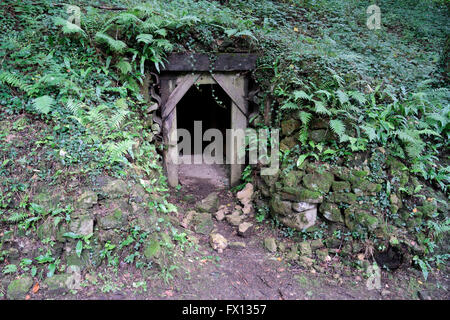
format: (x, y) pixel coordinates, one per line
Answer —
(245, 195)
(87, 200)
(234, 219)
(322, 254)
(113, 220)
(220, 215)
(340, 186)
(187, 219)
(289, 126)
(320, 135)
(305, 248)
(292, 178)
(331, 212)
(237, 245)
(18, 289)
(303, 206)
(305, 261)
(82, 225)
(58, 284)
(209, 204)
(218, 242)
(300, 194)
(247, 209)
(203, 223)
(293, 253)
(423, 295)
(152, 249)
(279, 206)
(74, 281)
(270, 244)
(300, 220)
(245, 229)
(345, 197)
(288, 143)
(318, 182)
(115, 188)
(316, 244)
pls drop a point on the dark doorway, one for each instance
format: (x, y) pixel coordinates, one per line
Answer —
(207, 103)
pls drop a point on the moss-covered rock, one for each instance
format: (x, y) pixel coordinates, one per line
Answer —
(292, 178)
(288, 143)
(289, 126)
(340, 186)
(152, 248)
(209, 204)
(87, 199)
(429, 207)
(300, 220)
(344, 197)
(270, 244)
(320, 135)
(82, 225)
(301, 195)
(203, 223)
(115, 188)
(280, 207)
(331, 212)
(114, 220)
(18, 289)
(305, 248)
(58, 284)
(318, 182)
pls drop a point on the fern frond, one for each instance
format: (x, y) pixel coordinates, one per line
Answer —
(370, 132)
(115, 45)
(43, 104)
(68, 27)
(338, 127)
(289, 106)
(305, 117)
(300, 94)
(320, 108)
(124, 67)
(15, 81)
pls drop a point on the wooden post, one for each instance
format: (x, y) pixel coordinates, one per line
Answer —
(235, 86)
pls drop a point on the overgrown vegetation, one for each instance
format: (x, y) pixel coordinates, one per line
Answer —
(374, 88)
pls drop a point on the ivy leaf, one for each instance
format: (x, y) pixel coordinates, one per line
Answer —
(79, 248)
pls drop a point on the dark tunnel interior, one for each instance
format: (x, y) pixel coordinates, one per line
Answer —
(207, 103)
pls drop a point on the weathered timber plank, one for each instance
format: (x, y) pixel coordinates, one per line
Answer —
(201, 62)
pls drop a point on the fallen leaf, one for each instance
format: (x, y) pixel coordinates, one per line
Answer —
(35, 288)
(27, 297)
(168, 293)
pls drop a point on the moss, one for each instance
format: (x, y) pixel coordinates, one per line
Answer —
(340, 186)
(279, 206)
(18, 288)
(301, 194)
(345, 197)
(289, 126)
(331, 212)
(152, 249)
(318, 182)
(292, 178)
(429, 208)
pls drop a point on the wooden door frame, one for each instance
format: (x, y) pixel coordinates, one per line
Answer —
(174, 87)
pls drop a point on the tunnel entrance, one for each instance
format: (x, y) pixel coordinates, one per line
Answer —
(198, 87)
(209, 104)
